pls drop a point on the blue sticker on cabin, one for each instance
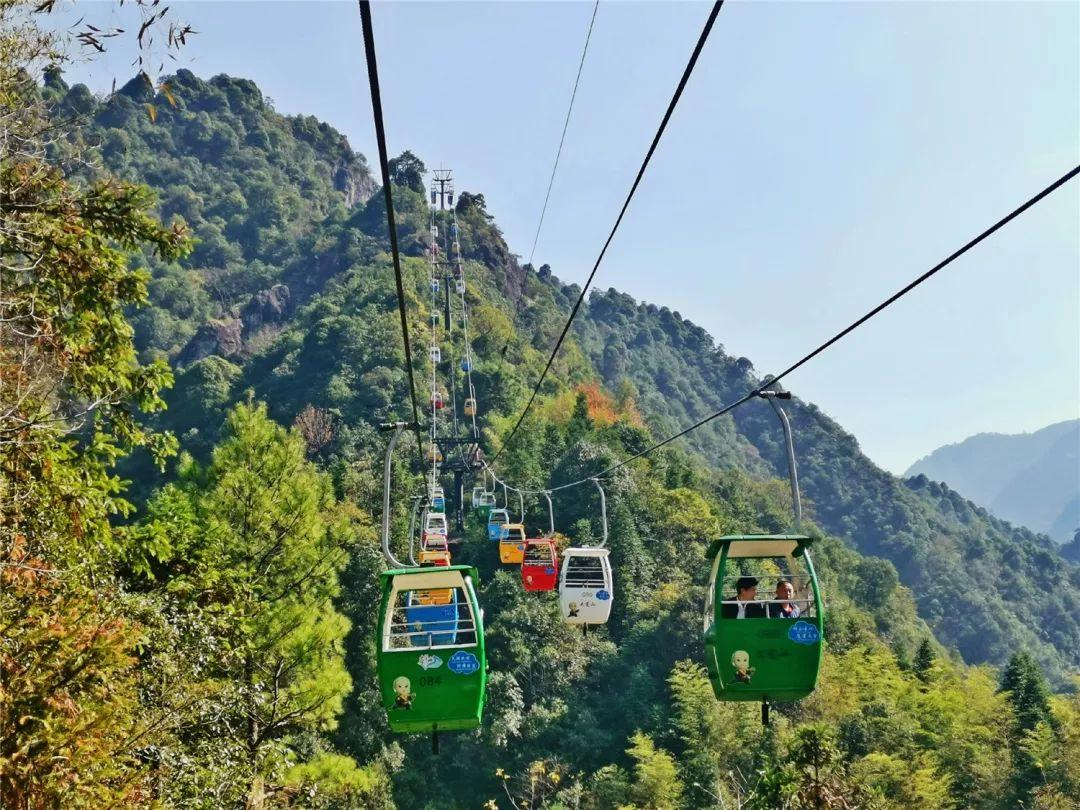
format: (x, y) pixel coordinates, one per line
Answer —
(602, 595)
(804, 633)
(463, 663)
(549, 570)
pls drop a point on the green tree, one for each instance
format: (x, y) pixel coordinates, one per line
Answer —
(924, 660)
(1025, 686)
(71, 389)
(247, 553)
(407, 170)
(656, 784)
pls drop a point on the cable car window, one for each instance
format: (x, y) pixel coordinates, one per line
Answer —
(538, 554)
(584, 572)
(430, 619)
(710, 596)
(780, 587)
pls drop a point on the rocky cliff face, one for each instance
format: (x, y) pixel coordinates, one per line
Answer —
(353, 179)
(229, 336)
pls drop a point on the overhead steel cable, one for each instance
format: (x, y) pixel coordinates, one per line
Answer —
(1001, 223)
(566, 125)
(637, 181)
(384, 166)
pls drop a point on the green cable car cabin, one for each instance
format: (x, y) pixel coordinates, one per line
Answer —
(432, 665)
(763, 618)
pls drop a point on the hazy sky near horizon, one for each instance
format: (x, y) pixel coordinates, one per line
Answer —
(823, 155)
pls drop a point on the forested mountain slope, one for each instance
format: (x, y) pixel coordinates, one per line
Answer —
(273, 194)
(250, 183)
(213, 645)
(982, 584)
(1032, 479)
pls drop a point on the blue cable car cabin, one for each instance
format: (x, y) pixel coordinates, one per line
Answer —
(497, 518)
(765, 648)
(429, 624)
(438, 499)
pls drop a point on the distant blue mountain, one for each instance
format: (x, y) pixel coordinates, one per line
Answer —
(1031, 479)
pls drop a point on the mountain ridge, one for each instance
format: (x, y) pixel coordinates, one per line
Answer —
(1030, 479)
(984, 586)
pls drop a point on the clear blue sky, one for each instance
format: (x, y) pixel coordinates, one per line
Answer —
(823, 155)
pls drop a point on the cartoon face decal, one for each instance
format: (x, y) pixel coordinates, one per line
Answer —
(403, 696)
(740, 661)
(572, 609)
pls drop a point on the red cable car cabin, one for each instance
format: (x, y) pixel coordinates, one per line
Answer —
(540, 567)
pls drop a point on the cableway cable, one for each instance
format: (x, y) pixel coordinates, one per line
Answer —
(384, 166)
(1001, 223)
(562, 138)
(637, 181)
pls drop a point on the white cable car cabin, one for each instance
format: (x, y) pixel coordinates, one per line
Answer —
(586, 586)
(483, 498)
(459, 286)
(435, 523)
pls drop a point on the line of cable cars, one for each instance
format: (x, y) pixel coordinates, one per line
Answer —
(584, 581)
(432, 663)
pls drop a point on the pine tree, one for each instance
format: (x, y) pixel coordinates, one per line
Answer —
(924, 660)
(1025, 687)
(248, 553)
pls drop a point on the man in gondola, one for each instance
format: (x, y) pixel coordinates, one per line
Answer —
(785, 591)
(745, 605)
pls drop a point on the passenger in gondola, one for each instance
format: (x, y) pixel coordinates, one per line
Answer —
(745, 605)
(787, 609)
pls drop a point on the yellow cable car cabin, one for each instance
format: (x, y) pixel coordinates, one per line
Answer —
(512, 544)
(434, 559)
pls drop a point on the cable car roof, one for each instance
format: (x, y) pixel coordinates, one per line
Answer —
(586, 552)
(759, 545)
(442, 577)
